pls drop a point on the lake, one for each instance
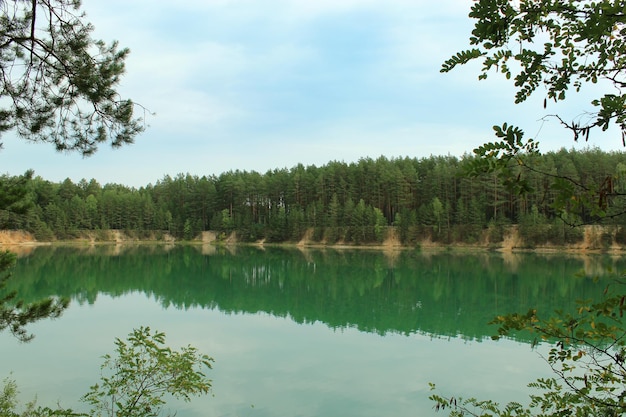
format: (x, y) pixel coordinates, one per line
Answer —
(311, 332)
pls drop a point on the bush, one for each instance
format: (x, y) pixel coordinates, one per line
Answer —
(133, 383)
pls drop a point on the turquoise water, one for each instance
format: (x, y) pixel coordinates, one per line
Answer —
(293, 333)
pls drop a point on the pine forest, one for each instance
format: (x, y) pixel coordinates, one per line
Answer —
(352, 203)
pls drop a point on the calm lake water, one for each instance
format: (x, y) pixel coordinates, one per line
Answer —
(298, 332)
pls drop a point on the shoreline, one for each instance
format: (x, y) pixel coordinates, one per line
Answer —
(28, 246)
(22, 242)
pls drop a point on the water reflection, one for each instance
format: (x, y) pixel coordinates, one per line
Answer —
(407, 292)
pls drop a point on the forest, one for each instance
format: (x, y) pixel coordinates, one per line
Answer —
(354, 203)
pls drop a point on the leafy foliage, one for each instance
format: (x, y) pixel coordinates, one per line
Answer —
(58, 84)
(560, 45)
(504, 158)
(136, 380)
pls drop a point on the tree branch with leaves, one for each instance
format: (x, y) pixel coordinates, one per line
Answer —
(560, 45)
(135, 381)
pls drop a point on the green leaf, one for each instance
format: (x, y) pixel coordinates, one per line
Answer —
(461, 58)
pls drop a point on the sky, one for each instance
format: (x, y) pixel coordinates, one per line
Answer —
(260, 85)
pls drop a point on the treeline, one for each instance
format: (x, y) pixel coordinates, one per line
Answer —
(426, 198)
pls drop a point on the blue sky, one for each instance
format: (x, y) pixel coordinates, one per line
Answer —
(258, 85)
